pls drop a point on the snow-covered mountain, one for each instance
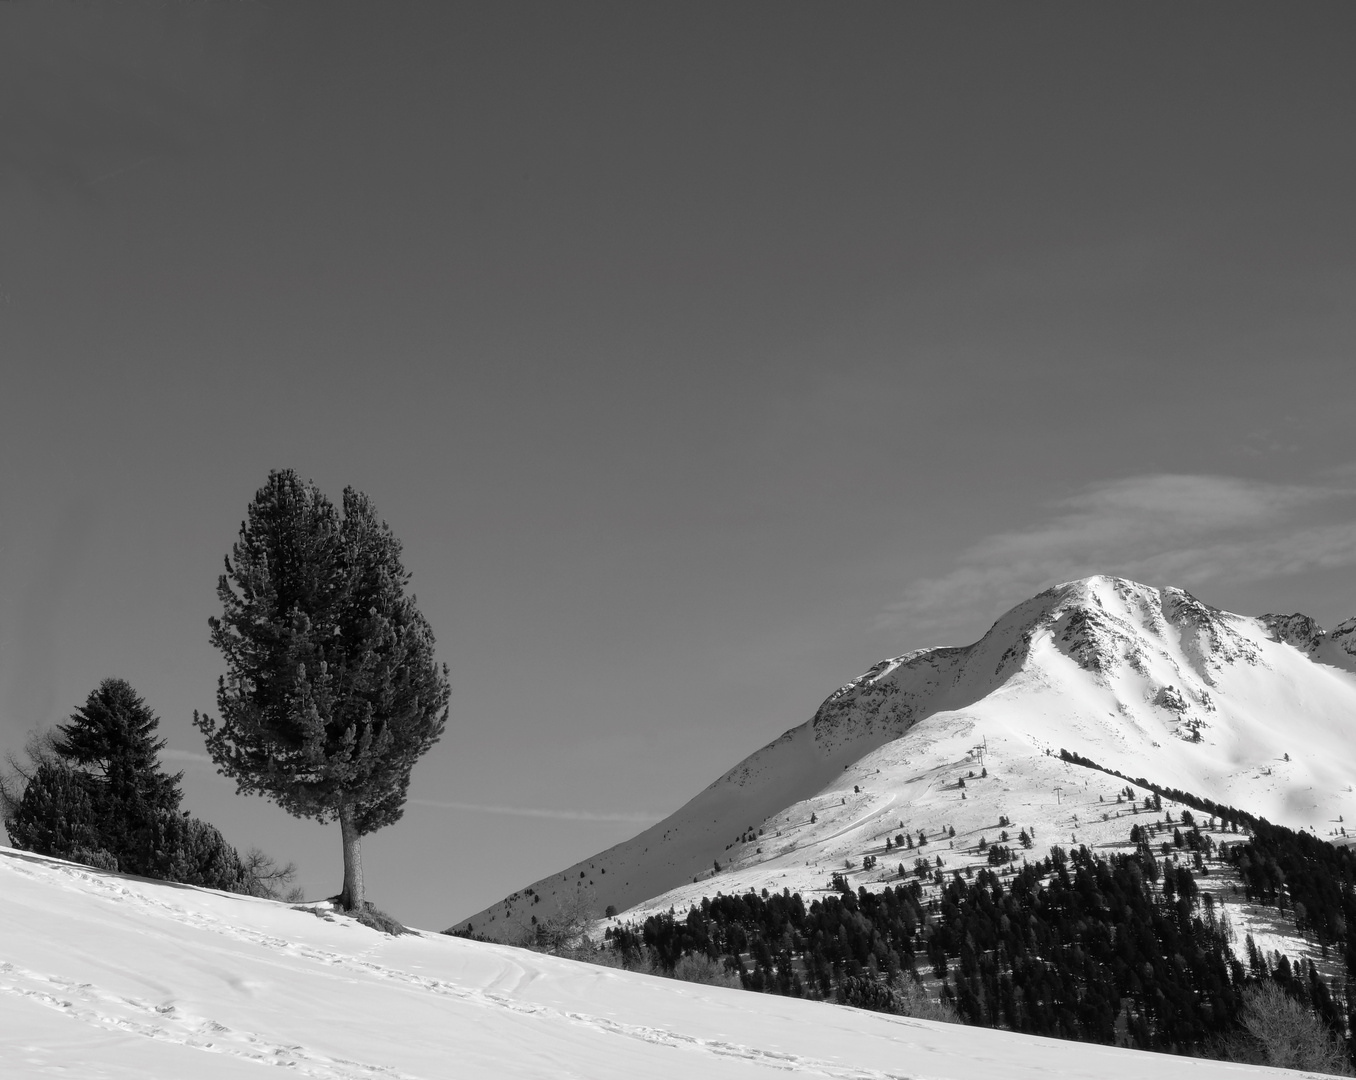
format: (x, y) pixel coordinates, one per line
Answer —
(1258, 713)
(105, 975)
(117, 978)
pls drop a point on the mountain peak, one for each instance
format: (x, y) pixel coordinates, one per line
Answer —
(1148, 680)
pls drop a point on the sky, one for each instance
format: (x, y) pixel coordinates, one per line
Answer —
(701, 356)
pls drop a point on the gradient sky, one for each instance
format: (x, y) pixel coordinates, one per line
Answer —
(701, 355)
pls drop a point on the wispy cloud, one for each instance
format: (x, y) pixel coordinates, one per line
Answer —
(1162, 528)
(186, 757)
(192, 758)
(535, 812)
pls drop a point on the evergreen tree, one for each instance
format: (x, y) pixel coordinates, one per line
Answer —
(197, 854)
(112, 741)
(113, 736)
(331, 692)
(94, 793)
(56, 815)
(98, 794)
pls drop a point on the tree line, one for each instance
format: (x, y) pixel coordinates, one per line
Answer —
(1125, 950)
(1288, 869)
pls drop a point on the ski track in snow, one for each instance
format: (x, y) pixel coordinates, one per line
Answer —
(113, 1012)
(889, 802)
(131, 979)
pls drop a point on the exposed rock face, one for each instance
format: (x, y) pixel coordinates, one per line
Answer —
(1207, 635)
(1169, 697)
(1298, 630)
(1337, 648)
(885, 702)
(1096, 641)
(1344, 637)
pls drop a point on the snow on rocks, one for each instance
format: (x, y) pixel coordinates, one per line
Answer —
(1149, 681)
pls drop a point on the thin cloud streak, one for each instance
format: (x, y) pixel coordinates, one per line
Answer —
(535, 812)
(1165, 528)
(189, 757)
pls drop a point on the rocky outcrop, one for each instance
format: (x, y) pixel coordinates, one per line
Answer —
(1298, 630)
(1344, 637)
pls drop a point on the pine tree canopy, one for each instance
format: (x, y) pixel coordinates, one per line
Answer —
(331, 691)
(57, 814)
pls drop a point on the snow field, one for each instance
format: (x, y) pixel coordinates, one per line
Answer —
(104, 976)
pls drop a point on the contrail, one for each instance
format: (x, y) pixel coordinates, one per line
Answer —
(534, 812)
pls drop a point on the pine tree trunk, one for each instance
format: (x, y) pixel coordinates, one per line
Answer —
(351, 898)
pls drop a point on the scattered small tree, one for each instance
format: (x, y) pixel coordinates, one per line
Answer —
(700, 968)
(566, 929)
(1282, 1033)
(264, 877)
(906, 997)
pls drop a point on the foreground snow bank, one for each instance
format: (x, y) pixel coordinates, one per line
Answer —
(109, 976)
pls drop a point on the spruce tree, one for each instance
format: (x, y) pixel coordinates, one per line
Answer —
(98, 794)
(112, 741)
(113, 736)
(331, 691)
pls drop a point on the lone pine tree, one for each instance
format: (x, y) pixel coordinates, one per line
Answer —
(331, 692)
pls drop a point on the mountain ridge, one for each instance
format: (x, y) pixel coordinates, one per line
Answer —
(1112, 668)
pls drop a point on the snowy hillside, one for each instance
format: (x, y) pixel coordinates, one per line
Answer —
(1258, 713)
(103, 976)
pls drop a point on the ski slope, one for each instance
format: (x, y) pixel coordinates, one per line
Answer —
(106, 976)
(1257, 713)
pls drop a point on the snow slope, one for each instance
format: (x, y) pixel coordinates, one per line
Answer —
(1148, 681)
(105, 976)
